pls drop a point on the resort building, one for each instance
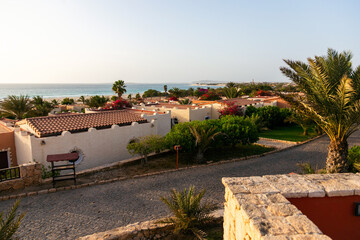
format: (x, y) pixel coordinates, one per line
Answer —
(200, 110)
(100, 138)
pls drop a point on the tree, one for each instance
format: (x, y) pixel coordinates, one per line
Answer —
(146, 145)
(190, 213)
(119, 87)
(165, 89)
(204, 135)
(302, 120)
(41, 107)
(175, 92)
(82, 99)
(129, 97)
(10, 224)
(16, 106)
(55, 102)
(67, 101)
(231, 92)
(151, 93)
(332, 89)
(230, 85)
(96, 101)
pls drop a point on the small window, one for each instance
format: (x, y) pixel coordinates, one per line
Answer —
(207, 118)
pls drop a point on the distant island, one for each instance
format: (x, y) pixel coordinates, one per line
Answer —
(208, 83)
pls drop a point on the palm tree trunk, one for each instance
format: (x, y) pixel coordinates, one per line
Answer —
(199, 156)
(336, 160)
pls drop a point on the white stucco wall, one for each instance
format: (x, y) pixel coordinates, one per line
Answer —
(98, 146)
(23, 147)
(200, 113)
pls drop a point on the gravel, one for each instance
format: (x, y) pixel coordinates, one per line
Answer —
(73, 213)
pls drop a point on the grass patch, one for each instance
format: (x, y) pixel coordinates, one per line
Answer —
(292, 133)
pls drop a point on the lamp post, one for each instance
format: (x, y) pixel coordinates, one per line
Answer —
(177, 148)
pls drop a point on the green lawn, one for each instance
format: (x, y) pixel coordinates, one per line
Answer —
(292, 133)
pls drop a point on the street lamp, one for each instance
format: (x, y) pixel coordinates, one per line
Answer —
(177, 148)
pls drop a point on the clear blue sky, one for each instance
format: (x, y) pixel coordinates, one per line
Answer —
(150, 41)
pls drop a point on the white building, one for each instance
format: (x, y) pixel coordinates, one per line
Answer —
(100, 138)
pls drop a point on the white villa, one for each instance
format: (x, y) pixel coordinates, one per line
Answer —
(99, 138)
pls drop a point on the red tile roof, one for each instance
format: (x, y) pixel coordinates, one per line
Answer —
(55, 125)
(238, 101)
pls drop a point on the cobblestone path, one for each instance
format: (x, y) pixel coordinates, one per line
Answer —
(74, 213)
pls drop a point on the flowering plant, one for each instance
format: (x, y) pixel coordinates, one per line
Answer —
(116, 105)
(263, 93)
(231, 109)
(174, 99)
(210, 96)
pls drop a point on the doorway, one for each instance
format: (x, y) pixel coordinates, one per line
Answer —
(4, 160)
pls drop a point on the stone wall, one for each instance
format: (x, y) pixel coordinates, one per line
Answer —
(144, 230)
(257, 208)
(30, 174)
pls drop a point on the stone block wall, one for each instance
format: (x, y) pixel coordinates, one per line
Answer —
(257, 208)
(30, 174)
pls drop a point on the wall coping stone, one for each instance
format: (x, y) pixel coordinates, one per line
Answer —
(262, 201)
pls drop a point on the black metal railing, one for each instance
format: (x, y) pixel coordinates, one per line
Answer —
(9, 173)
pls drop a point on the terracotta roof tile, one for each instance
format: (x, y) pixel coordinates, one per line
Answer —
(55, 125)
(238, 101)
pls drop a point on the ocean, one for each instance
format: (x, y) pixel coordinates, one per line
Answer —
(76, 90)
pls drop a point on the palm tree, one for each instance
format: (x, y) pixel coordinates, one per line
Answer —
(165, 89)
(231, 92)
(119, 87)
(176, 92)
(82, 99)
(16, 106)
(204, 135)
(332, 90)
(190, 213)
(10, 223)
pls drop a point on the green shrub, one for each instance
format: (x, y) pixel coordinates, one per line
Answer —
(271, 116)
(151, 93)
(67, 101)
(190, 215)
(47, 173)
(10, 224)
(354, 159)
(96, 101)
(180, 135)
(238, 130)
(146, 145)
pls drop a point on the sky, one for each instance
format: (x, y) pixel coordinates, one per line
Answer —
(168, 41)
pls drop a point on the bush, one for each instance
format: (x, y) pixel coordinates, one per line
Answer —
(181, 135)
(146, 145)
(238, 130)
(271, 116)
(174, 99)
(231, 109)
(117, 105)
(190, 214)
(151, 93)
(96, 101)
(210, 96)
(354, 159)
(67, 101)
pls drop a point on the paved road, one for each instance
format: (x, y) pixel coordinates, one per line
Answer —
(69, 214)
